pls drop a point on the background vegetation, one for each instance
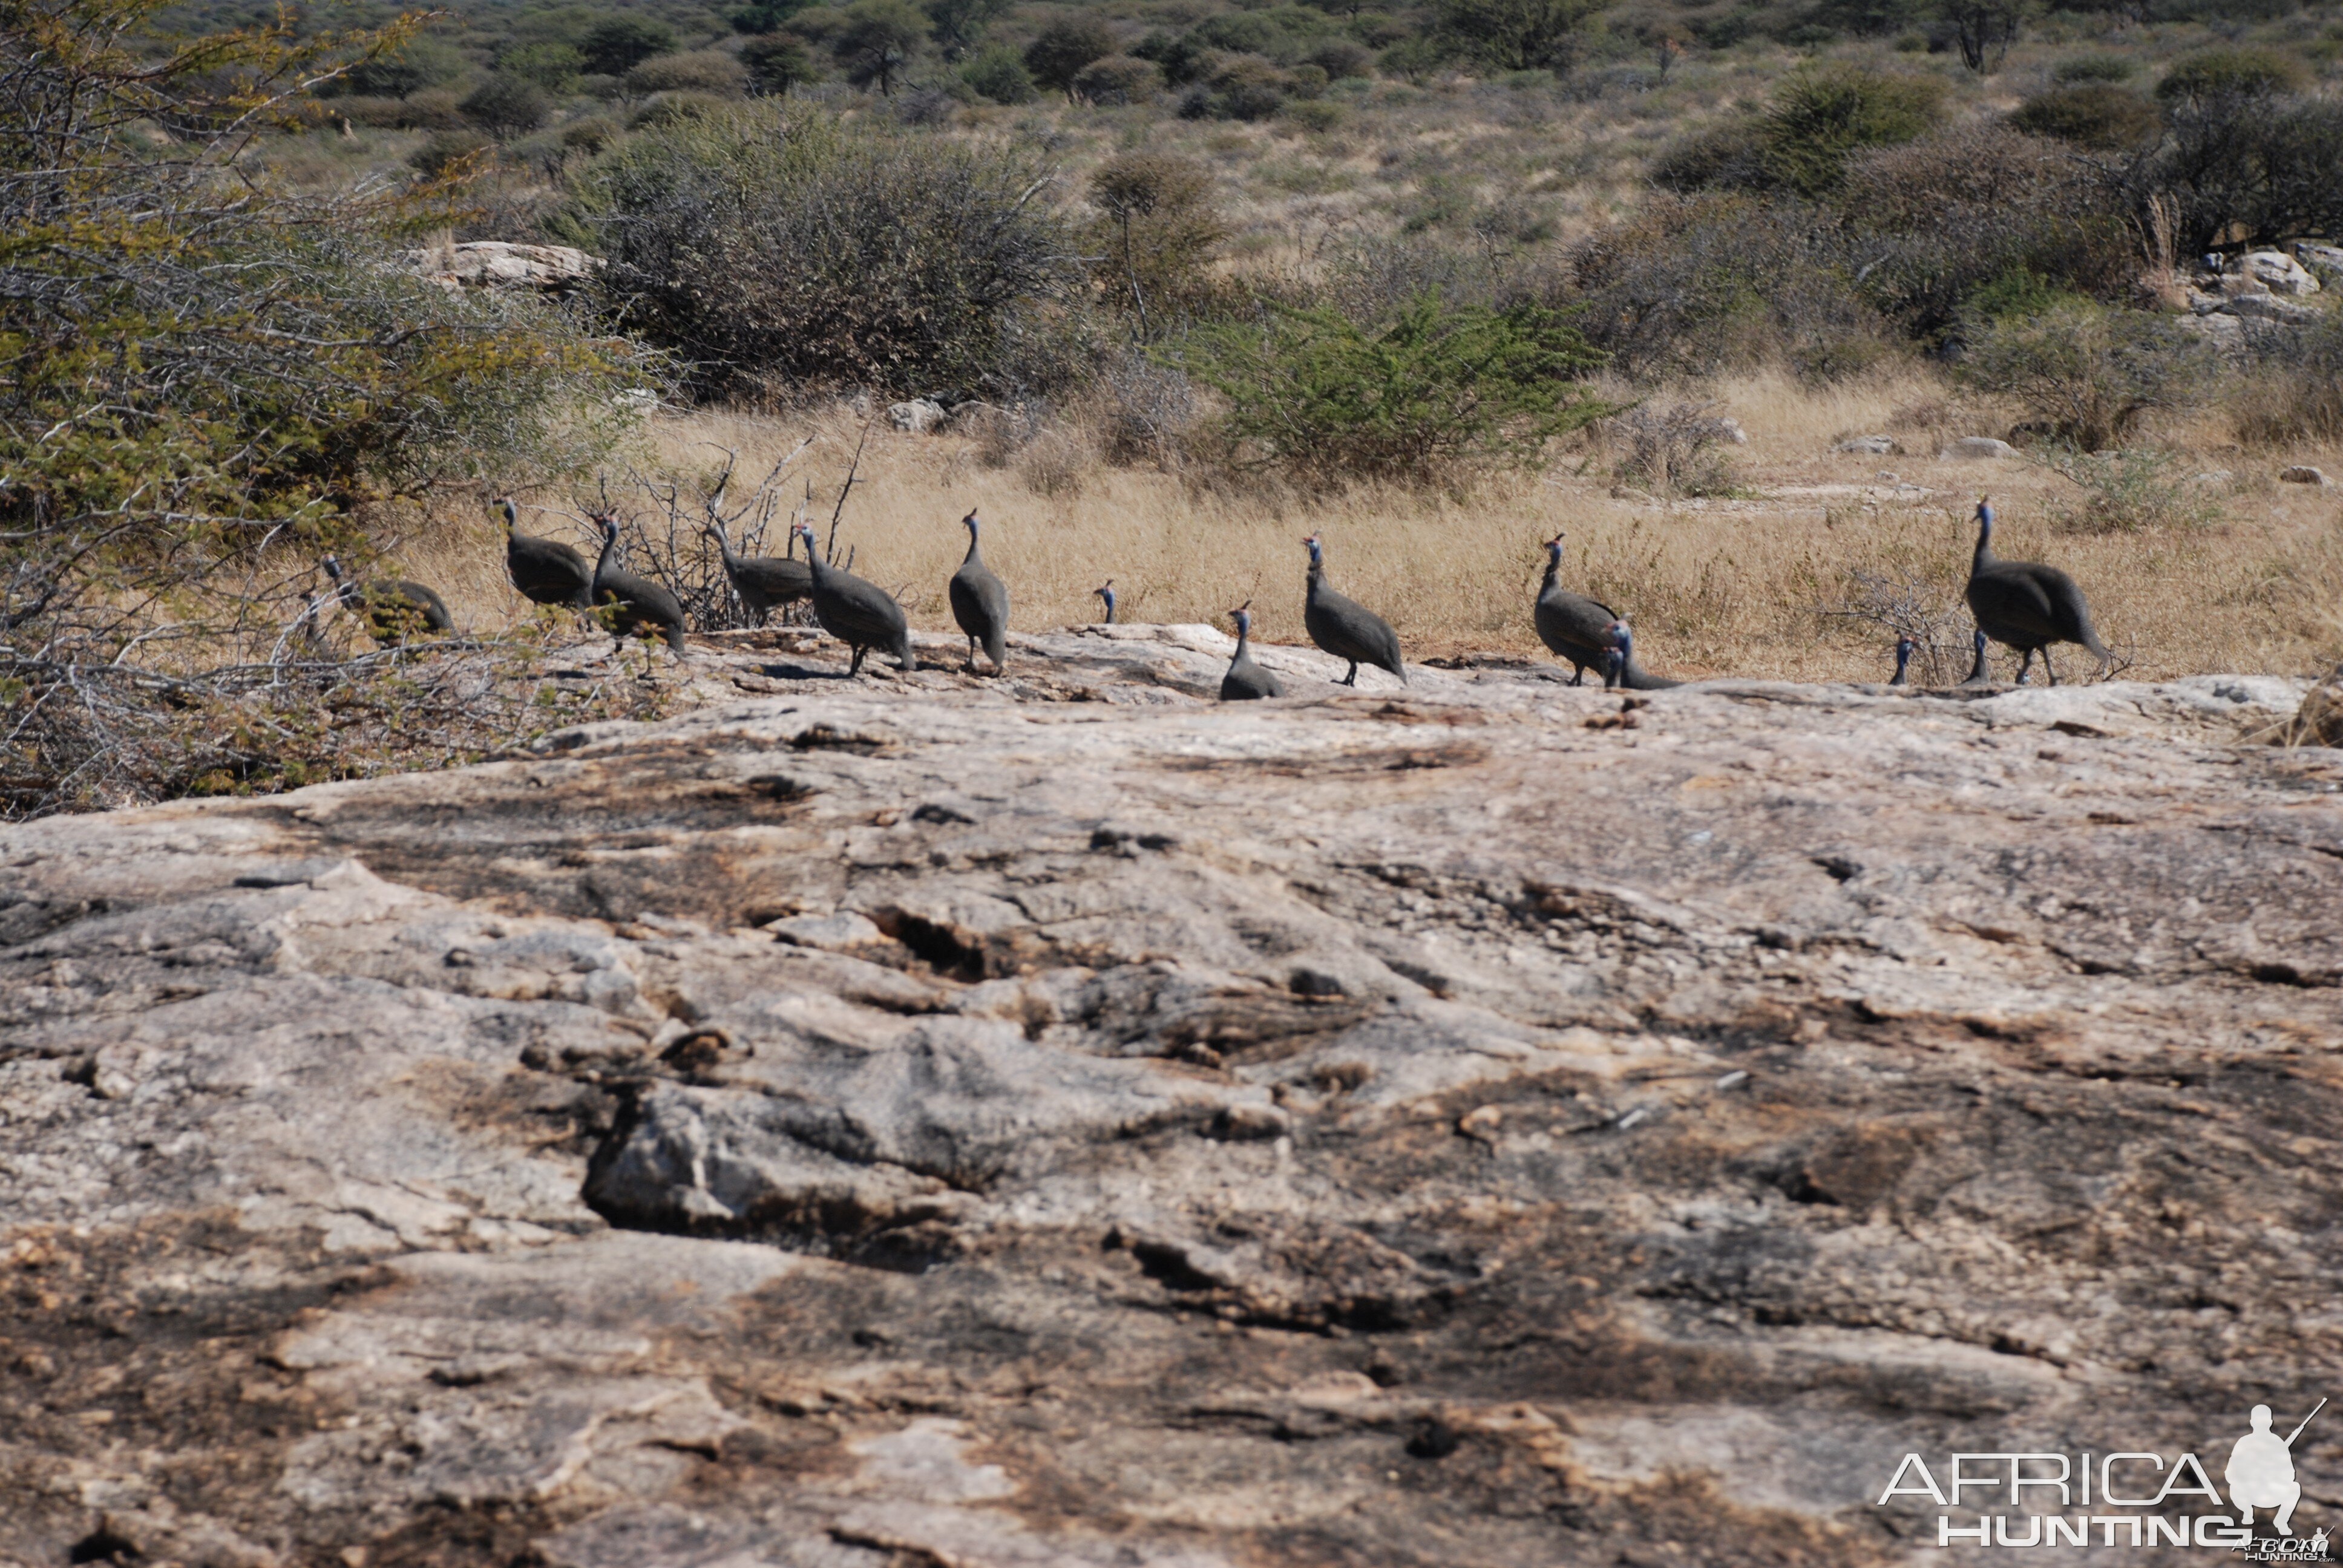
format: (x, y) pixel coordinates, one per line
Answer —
(1201, 257)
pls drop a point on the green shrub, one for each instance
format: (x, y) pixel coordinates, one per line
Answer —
(409, 67)
(1514, 35)
(775, 62)
(1939, 219)
(2127, 492)
(506, 104)
(1116, 79)
(999, 75)
(776, 247)
(1247, 87)
(1315, 113)
(1342, 59)
(203, 369)
(1183, 58)
(2230, 72)
(1436, 392)
(1821, 115)
(2248, 165)
(618, 44)
(702, 71)
(2088, 373)
(674, 109)
(875, 40)
(552, 67)
(445, 148)
(2014, 294)
(2295, 394)
(1063, 47)
(1155, 237)
(2078, 68)
(2094, 115)
(765, 16)
(1696, 286)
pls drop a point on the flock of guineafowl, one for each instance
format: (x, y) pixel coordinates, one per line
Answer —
(2019, 604)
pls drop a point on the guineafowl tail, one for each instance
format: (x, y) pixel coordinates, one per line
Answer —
(1635, 678)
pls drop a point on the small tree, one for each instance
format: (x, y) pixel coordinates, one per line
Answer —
(616, 45)
(1514, 35)
(1160, 233)
(1821, 116)
(1057, 56)
(506, 104)
(1984, 29)
(876, 39)
(999, 73)
(1116, 79)
(1433, 393)
(957, 25)
(776, 62)
(2087, 371)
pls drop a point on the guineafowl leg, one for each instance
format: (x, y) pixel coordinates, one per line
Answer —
(971, 655)
(855, 668)
(2049, 668)
(1351, 678)
(1578, 675)
(2025, 665)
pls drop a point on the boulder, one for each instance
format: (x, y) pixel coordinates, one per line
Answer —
(1979, 446)
(2270, 307)
(1869, 446)
(2319, 720)
(919, 416)
(1064, 1122)
(2302, 474)
(1729, 431)
(2324, 262)
(501, 264)
(2278, 272)
(2224, 332)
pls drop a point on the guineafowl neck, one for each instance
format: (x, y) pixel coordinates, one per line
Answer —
(609, 549)
(1984, 556)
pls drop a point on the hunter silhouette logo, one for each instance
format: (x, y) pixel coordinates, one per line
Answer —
(2122, 1499)
(2261, 1469)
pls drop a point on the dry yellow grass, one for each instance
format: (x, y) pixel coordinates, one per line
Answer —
(1714, 587)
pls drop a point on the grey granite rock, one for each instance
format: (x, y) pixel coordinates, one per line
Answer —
(1065, 1122)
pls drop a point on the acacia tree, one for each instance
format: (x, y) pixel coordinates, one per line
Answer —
(1514, 35)
(201, 374)
(878, 40)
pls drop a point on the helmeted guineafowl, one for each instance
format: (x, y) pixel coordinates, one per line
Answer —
(1246, 682)
(546, 571)
(1905, 648)
(861, 614)
(392, 609)
(765, 583)
(632, 606)
(1105, 591)
(1980, 671)
(1345, 628)
(1578, 629)
(979, 603)
(2026, 606)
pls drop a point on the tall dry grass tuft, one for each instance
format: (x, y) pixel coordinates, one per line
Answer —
(1743, 586)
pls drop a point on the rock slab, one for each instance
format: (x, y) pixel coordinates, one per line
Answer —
(1064, 1122)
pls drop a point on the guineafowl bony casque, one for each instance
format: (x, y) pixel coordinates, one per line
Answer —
(2026, 606)
(1345, 628)
(392, 608)
(1246, 682)
(862, 615)
(979, 603)
(546, 571)
(633, 606)
(764, 583)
